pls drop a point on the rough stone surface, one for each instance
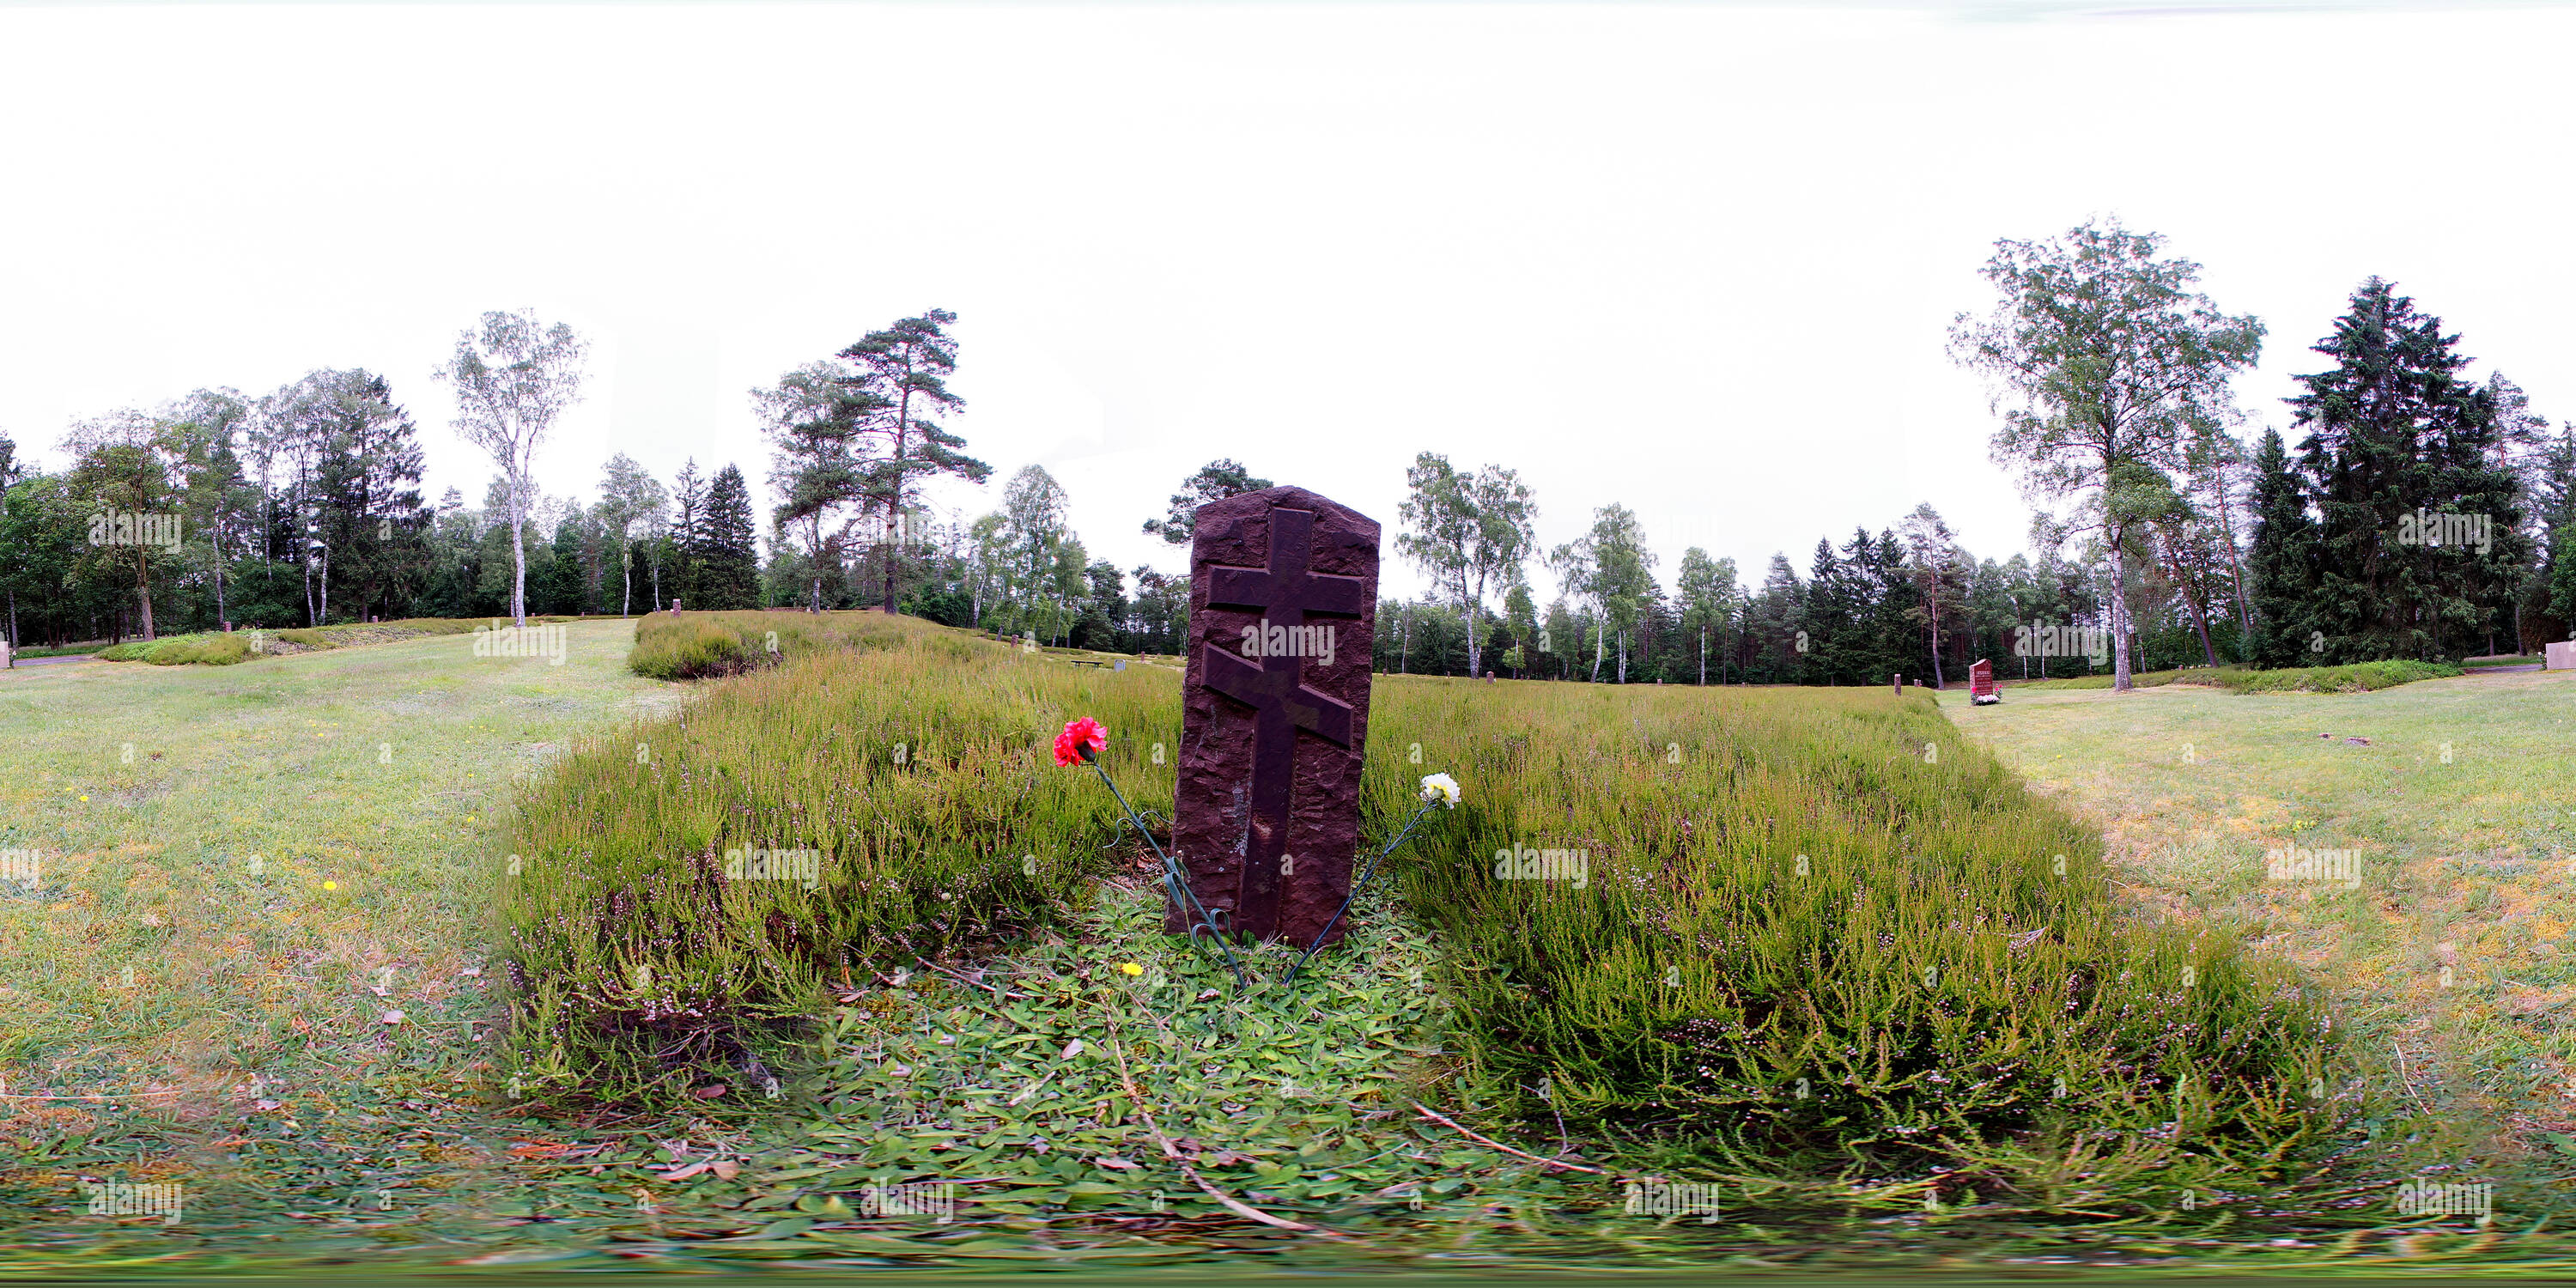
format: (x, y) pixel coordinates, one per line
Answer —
(1266, 818)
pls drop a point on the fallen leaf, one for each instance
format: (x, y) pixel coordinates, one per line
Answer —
(1073, 1048)
(1112, 1161)
(709, 1091)
(393, 1017)
(725, 1170)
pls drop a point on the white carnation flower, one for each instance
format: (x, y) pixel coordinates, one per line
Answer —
(1441, 788)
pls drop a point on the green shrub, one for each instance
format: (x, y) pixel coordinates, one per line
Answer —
(917, 764)
(1803, 950)
(130, 651)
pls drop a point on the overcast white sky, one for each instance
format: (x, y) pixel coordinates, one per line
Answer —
(1695, 259)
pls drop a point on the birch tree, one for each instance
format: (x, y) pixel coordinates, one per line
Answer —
(628, 494)
(1469, 532)
(512, 380)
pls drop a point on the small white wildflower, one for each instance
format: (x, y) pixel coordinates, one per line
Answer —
(1441, 788)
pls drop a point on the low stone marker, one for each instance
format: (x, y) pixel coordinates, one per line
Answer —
(2558, 656)
(1274, 711)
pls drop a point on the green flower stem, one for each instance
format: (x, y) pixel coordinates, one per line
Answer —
(1361, 884)
(1183, 898)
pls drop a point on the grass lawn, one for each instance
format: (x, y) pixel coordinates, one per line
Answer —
(2448, 958)
(243, 869)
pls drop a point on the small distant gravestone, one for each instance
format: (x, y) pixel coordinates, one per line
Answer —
(675, 608)
(1900, 684)
(228, 628)
(1119, 665)
(2558, 656)
(1274, 710)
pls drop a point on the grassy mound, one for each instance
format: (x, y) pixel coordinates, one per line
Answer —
(2143, 679)
(208, 649)
(216, 648)
(907, 778)
(697, 645)
(2348, 678)
(2501, 659)
(1814, 935)
(2358, 677)
(1817, 935)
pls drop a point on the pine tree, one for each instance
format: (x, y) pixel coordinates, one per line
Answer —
(728, 562)
(904, 370)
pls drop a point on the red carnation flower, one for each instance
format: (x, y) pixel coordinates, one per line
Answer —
(1080, 741)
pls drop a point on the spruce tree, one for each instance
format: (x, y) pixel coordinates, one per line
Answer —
(2394, 436)
(1827, 620)
(689, 503)
(2553, 597)
(2282, 563)
(728, 563)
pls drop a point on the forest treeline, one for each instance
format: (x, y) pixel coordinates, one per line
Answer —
(2409, 512)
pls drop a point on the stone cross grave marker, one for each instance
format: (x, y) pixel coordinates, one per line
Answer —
(1274, 710)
